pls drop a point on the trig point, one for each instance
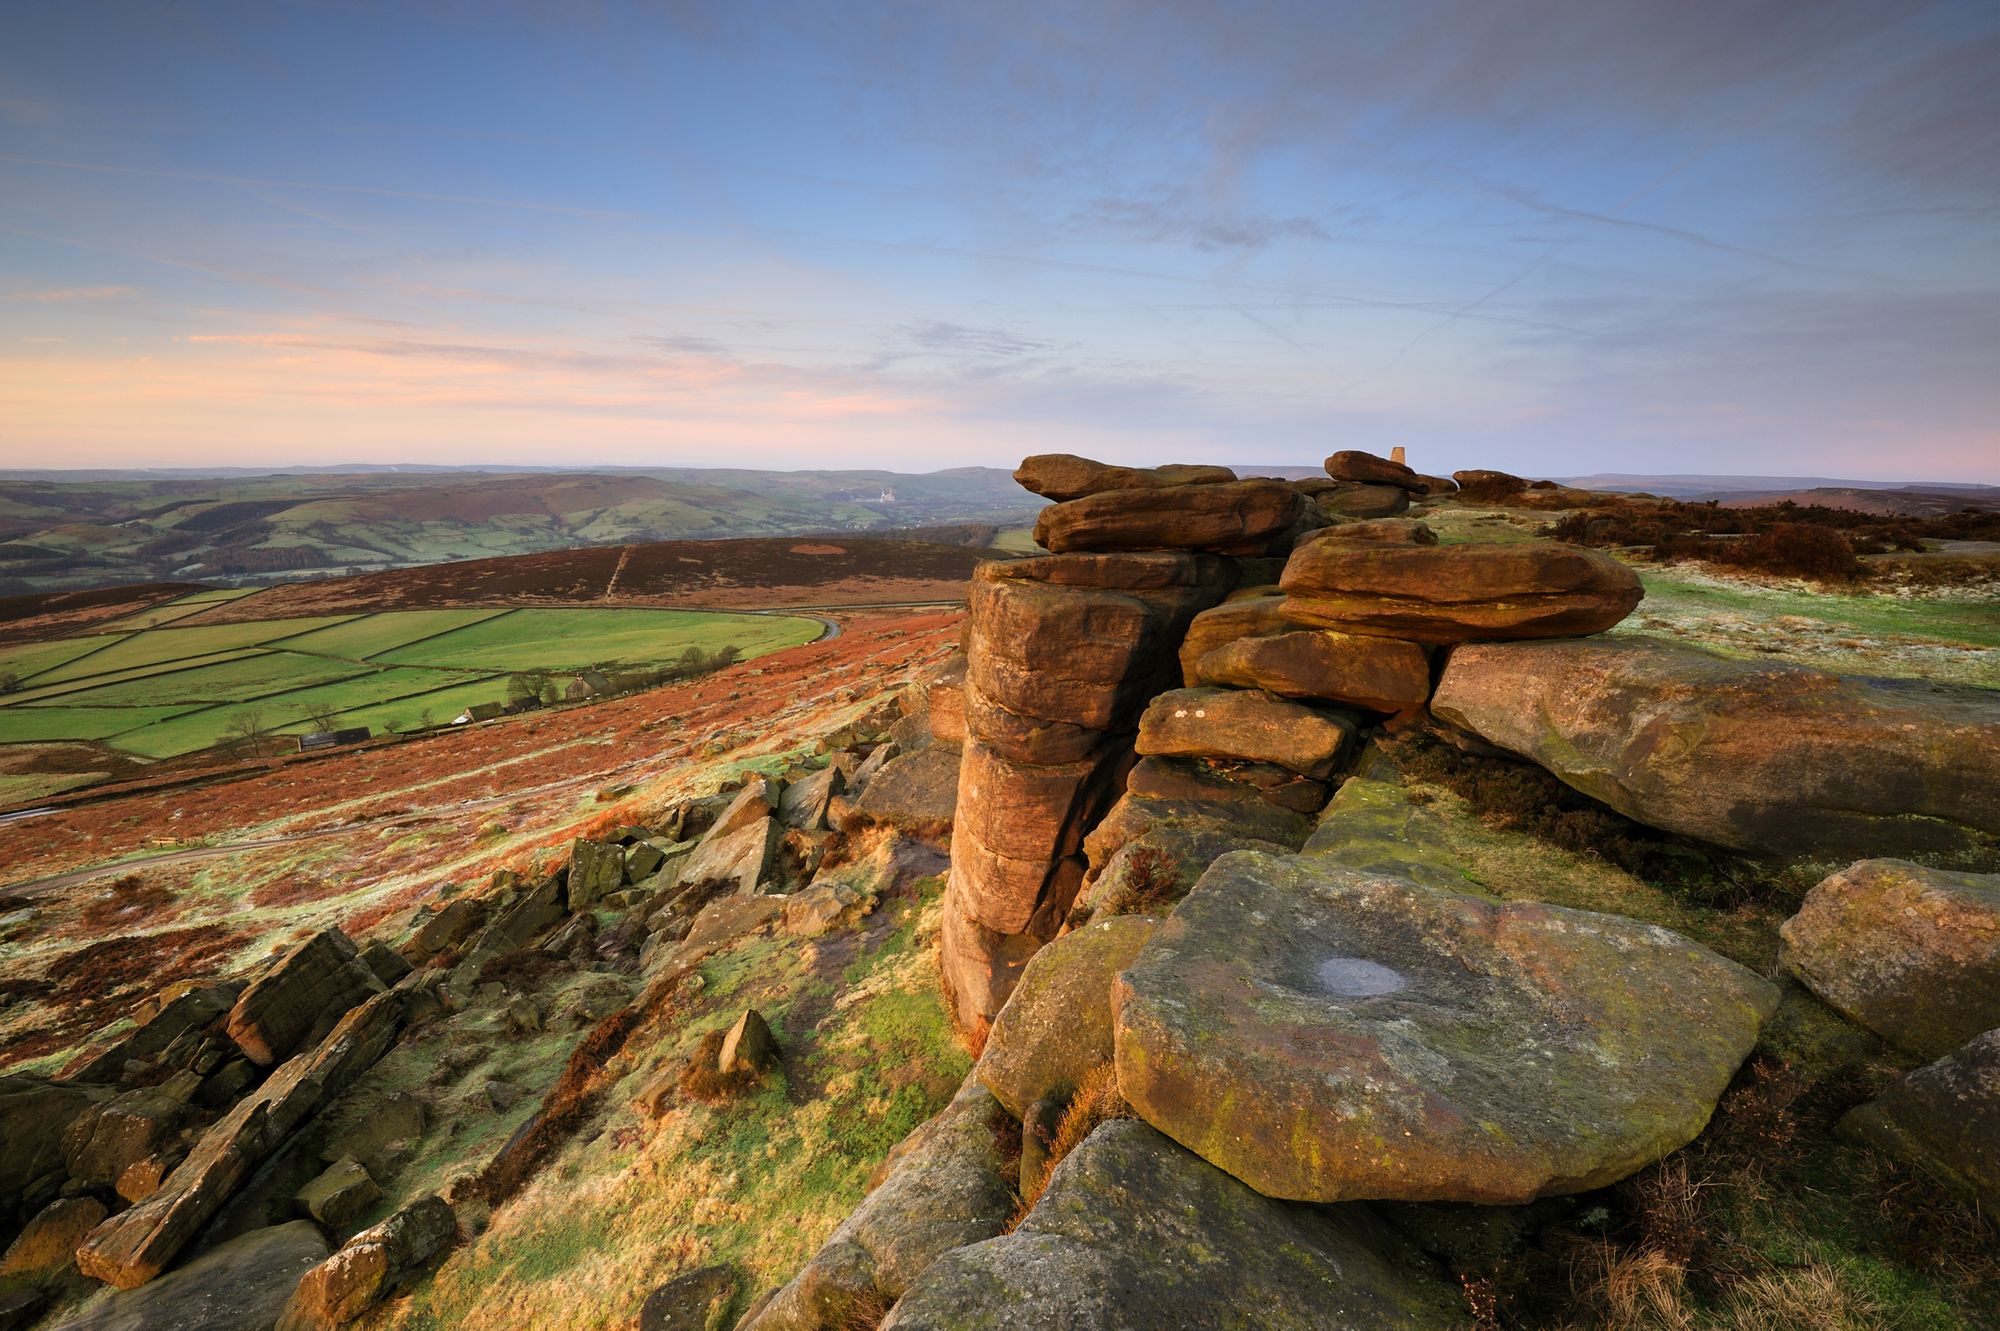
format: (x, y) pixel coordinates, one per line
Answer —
(1396, 456)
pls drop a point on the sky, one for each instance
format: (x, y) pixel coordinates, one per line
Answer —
(1556, 237)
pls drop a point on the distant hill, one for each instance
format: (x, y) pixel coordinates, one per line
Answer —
(1699, 486)
(66, 531)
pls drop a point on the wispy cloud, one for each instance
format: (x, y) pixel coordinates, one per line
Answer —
(74, 295)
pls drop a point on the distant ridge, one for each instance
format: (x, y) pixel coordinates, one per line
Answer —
(1698, 485)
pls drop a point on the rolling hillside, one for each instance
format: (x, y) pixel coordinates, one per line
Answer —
(60, 531)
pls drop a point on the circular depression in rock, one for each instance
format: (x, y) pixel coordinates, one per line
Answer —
(1357, 977)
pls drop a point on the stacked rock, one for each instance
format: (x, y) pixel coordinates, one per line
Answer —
(1063, 653)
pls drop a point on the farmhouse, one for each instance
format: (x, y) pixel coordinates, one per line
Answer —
(587, 684)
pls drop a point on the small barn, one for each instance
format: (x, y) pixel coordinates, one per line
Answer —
(330, 739)
(587, 684)
(479, 711)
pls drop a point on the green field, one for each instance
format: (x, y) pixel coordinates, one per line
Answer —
(572, 639)
(163, 691)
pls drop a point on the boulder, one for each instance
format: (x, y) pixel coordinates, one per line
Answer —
(300, 997)
(1911, 953)
(1247, 725)
(341, 1194)
(947, 701)
(596, 870)
(804, 803)
(1386, 531)
(950, 1186)
(380, 1132)
(696, 1301)
(370, 1266)
(824, 907)
(723, 922)
(643, 859)
(1364, 501)
(1373, 825)
(1373, 1038)
(455, 921)
(1136, 1234)
(1368, 469)
(134, 1246)
(195, 1009)
(1752, 755)
(1488, 486)
(915, 794)
(1064, 476)
(1377, 674)
(1943, 1119)
(385, 962)
(47, 1246)
(1056, 1028)
(105, 1139)
(757, 800)
(749, 1047)
(1438, 485)
(1233, 517)
(1139, 817)
(240, 1285)
(1222, 625)
(1456, 593)
(738, 859)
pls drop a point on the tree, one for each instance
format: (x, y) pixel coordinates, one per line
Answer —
(692, 661)
(323, 718)
(248, 730)
(727, 656)
(525, 685)
(9, 682)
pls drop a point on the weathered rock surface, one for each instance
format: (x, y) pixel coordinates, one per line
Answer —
(1135, 1234)
(946, 695)
(134, 1246)
(1456, 593)
(1065, 476)
(299, 997)
(696, 1301)
(749, 1047)
(1326, 1034)
(1747, 754)
(1943, 1119)
(197, 1008)
(738, 858)
(1364, 501)
(1233, 517)
(1375, 673)
(34, 1115)
(803, 805)
(1239, 617)
(1372, 824)
(105, 1139)
(596, 870)
(1911, 953)
(1354, 465)
(1056, 1028)
(950, 1187)
(1249, 725)
(240, 1285)
(914, 793)
(370, 1266)
(47, 1245)
(1143, 818)
(340, 1195)
(1199, 779)
(1486, 486)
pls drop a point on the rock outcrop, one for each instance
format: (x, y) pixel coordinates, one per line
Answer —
(1135, 1234)
(1326, 1034)
(1245, 726)
(240, 1285)
(1909, 952)
(1373, 673)
(1368, 469)
(1457, 593)
(300, 998)
(370, 1266)
(1943, 1119)
(1231, 518)
(1065, 476)
(1062, 654)
(1747, 754)
(134, 1246)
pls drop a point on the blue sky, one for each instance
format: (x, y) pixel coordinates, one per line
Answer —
(1553, 236)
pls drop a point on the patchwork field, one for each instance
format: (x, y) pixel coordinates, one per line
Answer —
(151, 687)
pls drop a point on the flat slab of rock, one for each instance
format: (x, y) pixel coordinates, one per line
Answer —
(950, 1186)
(242, 1285)
(1351, 464)
(1372, 824)
(1911, 953)
(1746, 754)
(1943, 1119)
(1062, 476)
(914, 793)
(1136, 1234)
(1232, 517)
(1326, 1034)
(1245, 724)
(1375, 673)
(1457, 593)
(1367, 502)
